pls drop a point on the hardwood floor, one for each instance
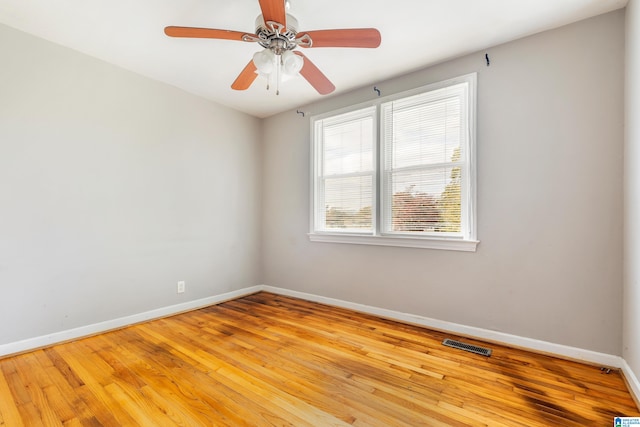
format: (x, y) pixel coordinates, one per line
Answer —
(266, 360)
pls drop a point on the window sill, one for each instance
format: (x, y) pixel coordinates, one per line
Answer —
(407, 242)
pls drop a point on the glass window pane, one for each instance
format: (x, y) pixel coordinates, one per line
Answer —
(348, 202)
(348, 147)
(426, 201)
(425, 134)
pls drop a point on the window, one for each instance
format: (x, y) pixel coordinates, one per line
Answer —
(346, 183)
(400, 172)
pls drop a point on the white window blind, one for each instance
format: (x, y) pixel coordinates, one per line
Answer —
(345, 172)
(424, 144)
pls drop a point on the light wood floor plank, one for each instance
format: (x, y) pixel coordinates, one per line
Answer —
(9, 413)
(269, 360)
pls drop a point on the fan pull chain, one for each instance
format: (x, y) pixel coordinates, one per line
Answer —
(278, 76)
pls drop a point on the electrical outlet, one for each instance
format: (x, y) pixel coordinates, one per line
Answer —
(181, 286)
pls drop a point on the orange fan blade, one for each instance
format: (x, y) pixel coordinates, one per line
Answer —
(204, 33)
(273, 10)
(314, 76)
(246, 77)
(348, 37)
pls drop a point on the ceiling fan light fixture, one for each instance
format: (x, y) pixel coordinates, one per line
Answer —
(264, 61)
(291, 63)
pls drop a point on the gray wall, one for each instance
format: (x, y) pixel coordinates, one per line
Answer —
(631, 341)
(550, 143)
(114, 187)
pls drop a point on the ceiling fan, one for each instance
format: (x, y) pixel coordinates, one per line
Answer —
(277, 32)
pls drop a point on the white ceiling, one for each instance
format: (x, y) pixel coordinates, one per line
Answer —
(415, 34)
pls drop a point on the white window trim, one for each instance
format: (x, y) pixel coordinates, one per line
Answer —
(468, 244)
(398, 241)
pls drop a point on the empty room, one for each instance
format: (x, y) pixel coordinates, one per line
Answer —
(320, 213)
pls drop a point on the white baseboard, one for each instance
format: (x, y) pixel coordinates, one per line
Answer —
(632, 381)
(469, 331)
(559, 350)
(96, 328)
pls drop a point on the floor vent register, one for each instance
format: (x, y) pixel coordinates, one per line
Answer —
(467, 347)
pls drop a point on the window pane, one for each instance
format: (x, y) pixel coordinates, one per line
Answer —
(348, 147)
(426, 201)
(348, 202)
(424, 134)
(424, 139)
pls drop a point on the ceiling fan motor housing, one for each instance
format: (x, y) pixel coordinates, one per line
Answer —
(275, 36)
